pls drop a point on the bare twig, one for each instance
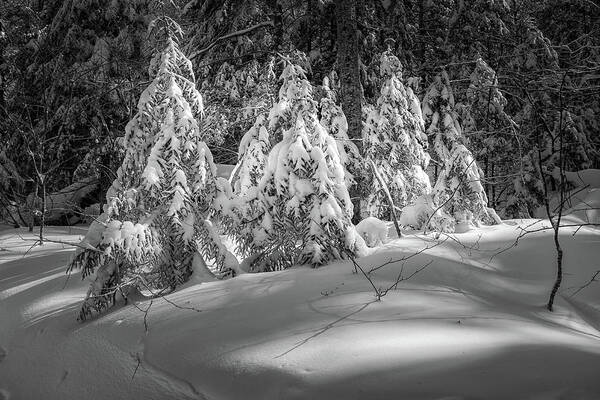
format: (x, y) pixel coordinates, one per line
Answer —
(588, 283)
(79, 245)
(139, 362)
(405, 258)
(357, 266)
(402, 278)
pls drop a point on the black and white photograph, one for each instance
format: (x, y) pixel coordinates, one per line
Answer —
(300, 199)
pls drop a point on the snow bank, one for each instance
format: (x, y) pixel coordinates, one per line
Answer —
(470, 325)
(587, 208)
(582, 203)
(585, 177)
(373, 230)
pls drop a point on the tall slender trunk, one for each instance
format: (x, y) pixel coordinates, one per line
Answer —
(32, 208)
(493, 188)
(351, 88)
(486, 171)
(422, 32)
(3, 110)
(277, 16)
(311, 11)
(43, 214)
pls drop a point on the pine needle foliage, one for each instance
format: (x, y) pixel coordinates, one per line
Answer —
(158, 210)
(395, 142)
(458, 190)
(303, 202)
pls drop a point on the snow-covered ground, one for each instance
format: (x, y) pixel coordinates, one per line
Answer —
(471, 325)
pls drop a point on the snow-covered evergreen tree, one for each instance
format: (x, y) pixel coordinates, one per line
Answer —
(10, 181)
(334, 121)
(243, 222)
(483, 113)
(394, 140)
(156, 220)
(577, 149)
(307, 208)
(539, 163)
(254, 149)
(237, 96)
(528, 192)
(487, 126)
(282, 115)
(79, 68)
(458, 189)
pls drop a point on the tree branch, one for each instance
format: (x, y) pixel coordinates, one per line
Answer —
(229, 36)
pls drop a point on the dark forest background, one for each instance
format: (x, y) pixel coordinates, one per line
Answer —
(72, 71)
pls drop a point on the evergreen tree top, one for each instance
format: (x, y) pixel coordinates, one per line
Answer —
(390, 65)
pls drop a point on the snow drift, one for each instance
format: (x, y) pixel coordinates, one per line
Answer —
(471, 325)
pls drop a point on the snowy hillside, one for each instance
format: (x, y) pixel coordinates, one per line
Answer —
(471, 325)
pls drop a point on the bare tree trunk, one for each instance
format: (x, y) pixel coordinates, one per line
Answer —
(43, 212)
(493, 186)
(556, 225)
(351, 88)
(3, 41)
(311, 11)
(559, 271)
(277, 16)
(487, 183)
(422, 32)
(32, 209)
(561, 187)
(388, 198)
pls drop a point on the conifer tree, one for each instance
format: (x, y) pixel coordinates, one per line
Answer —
(334, 121)
(281, 115)
(79, 70)
(307, 208)
(238, 97)
(156, 220)
(243, 222)
(395, 142)
(528, 188)
(236, 71)
(458, 189)
(487, 126)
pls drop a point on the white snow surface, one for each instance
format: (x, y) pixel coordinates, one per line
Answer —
(582, 205)
(471, 325)
(585, 207)
(585, 177)
(373, 230)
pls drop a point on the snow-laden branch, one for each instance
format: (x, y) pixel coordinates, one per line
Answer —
(231, 35)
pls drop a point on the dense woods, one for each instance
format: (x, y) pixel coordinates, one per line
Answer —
(440, 115)
(518, 77)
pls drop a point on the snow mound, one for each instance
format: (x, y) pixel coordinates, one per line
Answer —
(585, 177)
(587, 208)
(416, 214)
(423, 214)
(373, 230)
(582, 202)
